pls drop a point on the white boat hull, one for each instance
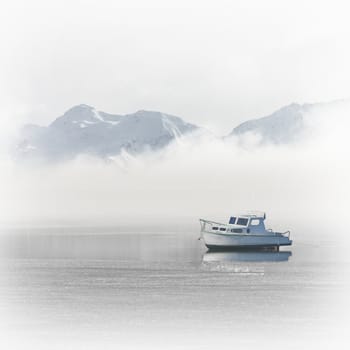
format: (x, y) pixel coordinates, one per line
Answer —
(232, 241)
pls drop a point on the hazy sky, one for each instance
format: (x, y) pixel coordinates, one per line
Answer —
(214, 63)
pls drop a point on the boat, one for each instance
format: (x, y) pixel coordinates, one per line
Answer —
(245, 231)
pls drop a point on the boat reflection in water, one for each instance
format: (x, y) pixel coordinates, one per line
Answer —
(252, 256)
(241, 262)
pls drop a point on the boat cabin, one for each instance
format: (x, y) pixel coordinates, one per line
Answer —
(253, 223)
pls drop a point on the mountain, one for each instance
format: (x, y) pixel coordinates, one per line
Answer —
(283, 126)
(84, 130)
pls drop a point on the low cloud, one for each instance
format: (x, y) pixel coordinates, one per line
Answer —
(192, 178)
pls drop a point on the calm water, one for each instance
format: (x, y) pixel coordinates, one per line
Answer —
(84, 288)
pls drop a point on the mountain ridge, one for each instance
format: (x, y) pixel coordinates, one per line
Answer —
(84, 130)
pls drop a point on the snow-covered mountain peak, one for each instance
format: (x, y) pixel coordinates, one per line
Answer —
(84, 130)
(282, 126)
(79, 111)
(289, 123)
(83, 116)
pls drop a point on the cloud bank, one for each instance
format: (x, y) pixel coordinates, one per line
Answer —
(192, 178)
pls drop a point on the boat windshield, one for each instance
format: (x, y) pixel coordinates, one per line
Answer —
(232, 220)
(242, 221)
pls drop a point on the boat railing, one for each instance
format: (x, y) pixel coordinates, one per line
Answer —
(204, 222)
(211, 222)
(286, 234)
(219, 225)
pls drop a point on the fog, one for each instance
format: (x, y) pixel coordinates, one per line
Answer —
(194, 177)
(214, 64)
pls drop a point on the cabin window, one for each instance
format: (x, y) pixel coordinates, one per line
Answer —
(237, 230)
(232, 220)
(255, 222)
(242, 221)
(222, 228)
(214, 228)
